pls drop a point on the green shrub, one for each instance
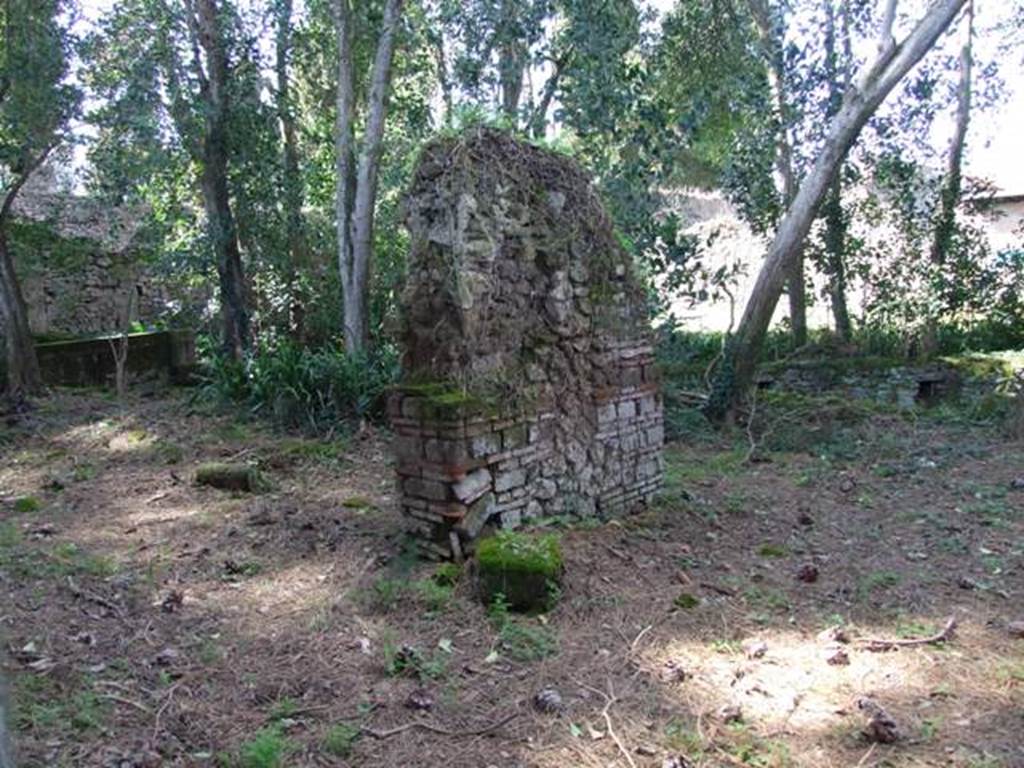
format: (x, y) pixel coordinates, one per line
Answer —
(340, 739)
(267, 749)
(296, 386)
(524, 568)
(519, 640)
(27, 504)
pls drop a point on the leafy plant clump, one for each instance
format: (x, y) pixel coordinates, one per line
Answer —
(27, 504)
(319, 389)
(526, 569)
(340, 739)
(267, 749)
(519, 640)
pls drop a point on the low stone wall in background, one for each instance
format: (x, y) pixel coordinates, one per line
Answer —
(169, 355)
(904, 386)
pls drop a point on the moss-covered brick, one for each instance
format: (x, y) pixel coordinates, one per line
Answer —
(524, 568)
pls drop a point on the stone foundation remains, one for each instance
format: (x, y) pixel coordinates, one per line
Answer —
(529, 383)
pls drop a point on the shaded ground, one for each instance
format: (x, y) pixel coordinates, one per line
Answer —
(152, 622)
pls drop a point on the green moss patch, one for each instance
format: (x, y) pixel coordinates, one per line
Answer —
(524, 568)
(27, 504)
(229, 477)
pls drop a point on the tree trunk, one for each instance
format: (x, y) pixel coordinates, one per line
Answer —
(345, 178)
(771, 46)
(214, 181)
(293, 197)
(946, 221)
(356, 190)
(23, 377)
(835, 264)
(835, 221)
(860, 101)
(511, 63)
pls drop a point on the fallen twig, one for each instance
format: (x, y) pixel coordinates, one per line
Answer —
(130, 702)
(437, 728)
(98, 599)
(610, 699)
(883, 644)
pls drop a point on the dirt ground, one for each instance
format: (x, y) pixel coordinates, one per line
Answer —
(148, 621)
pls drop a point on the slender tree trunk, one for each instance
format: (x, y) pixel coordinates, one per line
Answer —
(860, 101)
(835, 220)
(771, 46)
(945, 225)
(949, 198)
(443, 77)
(835, 264)
(214, 181)
(293, 197)
(23, 377)
(511, 63)
(356, 188)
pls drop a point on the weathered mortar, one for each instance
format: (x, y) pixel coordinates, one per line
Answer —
(529, 384)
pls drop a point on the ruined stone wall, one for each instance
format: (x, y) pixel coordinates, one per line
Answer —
(79, 267)
(529, 385)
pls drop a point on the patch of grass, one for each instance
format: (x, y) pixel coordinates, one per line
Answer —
(68, 559)
(767, 598)
(447, 574)
(83, 471)
(520, 639)
(42, 706)
(27, 504)
(725, 646)
(875, 581)
(326, 452)
(772, 550)
(683, 469)
(410, 661)
(233, 432)
(340, 739)
(384, 594)
(283, 709)
(168, 453)
(357, 502)
(268, 748)
(684, 740)
(686, 601)
(433, 596)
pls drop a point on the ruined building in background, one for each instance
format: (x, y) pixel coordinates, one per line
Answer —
(81, 265)
(529, 384)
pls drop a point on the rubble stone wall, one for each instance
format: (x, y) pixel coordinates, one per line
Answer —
(529, 383)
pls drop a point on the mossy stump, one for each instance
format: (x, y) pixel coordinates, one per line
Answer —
(229, 477)
(524, 569)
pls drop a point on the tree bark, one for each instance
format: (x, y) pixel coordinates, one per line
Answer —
(511, 63)
(221, 226)
(946, 221)
(835, 220)
(356, 188)
(860, 101)
(293, 197)
(23, 376)
(771, 47)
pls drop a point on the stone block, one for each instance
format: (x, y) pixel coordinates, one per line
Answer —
(431, 490)
(508, 480)
(484, 445)
(472, 486)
